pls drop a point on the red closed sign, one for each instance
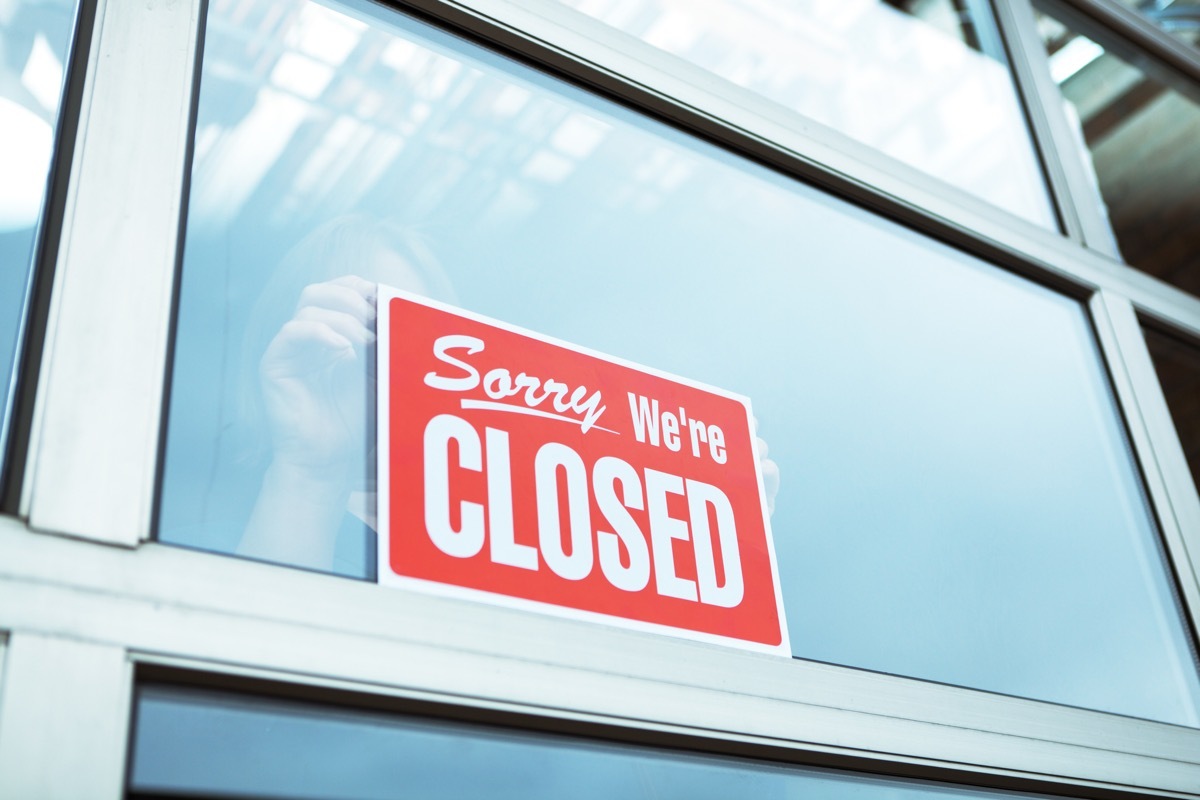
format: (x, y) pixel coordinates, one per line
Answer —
(524, 471)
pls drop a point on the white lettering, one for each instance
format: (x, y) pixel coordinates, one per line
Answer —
(648, 422)
(549, 459)
(499, 383)
(696, 432)
(617, 488)
(504, 548)
(716, 444)
(700, 497)
(664, 529)
(453, 342)
(608, 472)
(468, 540)
(645, 418)
(670, 429)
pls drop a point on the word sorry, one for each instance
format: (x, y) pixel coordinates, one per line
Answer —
(617, 488)
(499, 383)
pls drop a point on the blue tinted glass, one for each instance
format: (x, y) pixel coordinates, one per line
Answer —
(925, 82)
(194, 742)
(34, 39)
(957, 503)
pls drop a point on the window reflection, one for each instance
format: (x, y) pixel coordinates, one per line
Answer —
(1143, 147)
(191, 742)
(34, 39)
(1178, 365)
(957, 499)
(924, 81)
(1180, 18)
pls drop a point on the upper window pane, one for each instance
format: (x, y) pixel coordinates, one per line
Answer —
(957, 503)
(35, 36)
(1143, 139)
(923, 81)
(1178, 366)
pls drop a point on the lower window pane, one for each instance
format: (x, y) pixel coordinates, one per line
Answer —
(191, 742)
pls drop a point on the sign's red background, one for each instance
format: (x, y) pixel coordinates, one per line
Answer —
(414, 327)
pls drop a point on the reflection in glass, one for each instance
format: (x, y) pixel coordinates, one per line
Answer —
(1178, 366)
(957, 503)
(34, 38)
(1144, 144)
(1180, 18)
(190, 742)
(924, 81)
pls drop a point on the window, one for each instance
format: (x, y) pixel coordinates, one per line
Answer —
(35, 38)
(1180, 18)
(1143, 138)
(958, 501)
(924, 81)
(191, 742)
(1178, 366)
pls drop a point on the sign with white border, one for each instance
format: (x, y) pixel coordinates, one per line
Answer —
(523, 471)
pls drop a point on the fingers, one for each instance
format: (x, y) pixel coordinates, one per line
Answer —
(359, 284)
(306, 341)
(349, 294)
(348, 326)
(760, 447)
(334, 320)
(770, 472)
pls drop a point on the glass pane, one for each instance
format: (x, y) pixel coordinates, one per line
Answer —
(924, 81)
(1178, 367)
(1180, 18)
(35, 36)
(958, 501)
(1144, 144)
(190, 742)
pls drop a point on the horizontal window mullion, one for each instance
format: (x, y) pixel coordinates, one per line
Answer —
(165, 603)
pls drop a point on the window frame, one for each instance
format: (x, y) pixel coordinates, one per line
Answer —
(169, 606)
(16, 405)
(100, 588)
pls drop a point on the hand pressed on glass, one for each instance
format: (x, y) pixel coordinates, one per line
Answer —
(314, 379)
(313, 376)
(770, 470)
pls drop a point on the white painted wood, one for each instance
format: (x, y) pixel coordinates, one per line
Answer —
(64, 713)
(91, 462)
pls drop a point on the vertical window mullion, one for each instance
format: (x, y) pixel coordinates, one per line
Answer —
(1171, 491)
(64, 717)
(1064, 156)
(94, 440)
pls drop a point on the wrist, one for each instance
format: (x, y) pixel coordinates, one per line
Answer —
(316, 484)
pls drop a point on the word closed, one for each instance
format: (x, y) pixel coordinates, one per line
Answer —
(526, 472)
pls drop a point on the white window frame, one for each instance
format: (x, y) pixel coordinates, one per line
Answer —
(100, 595)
